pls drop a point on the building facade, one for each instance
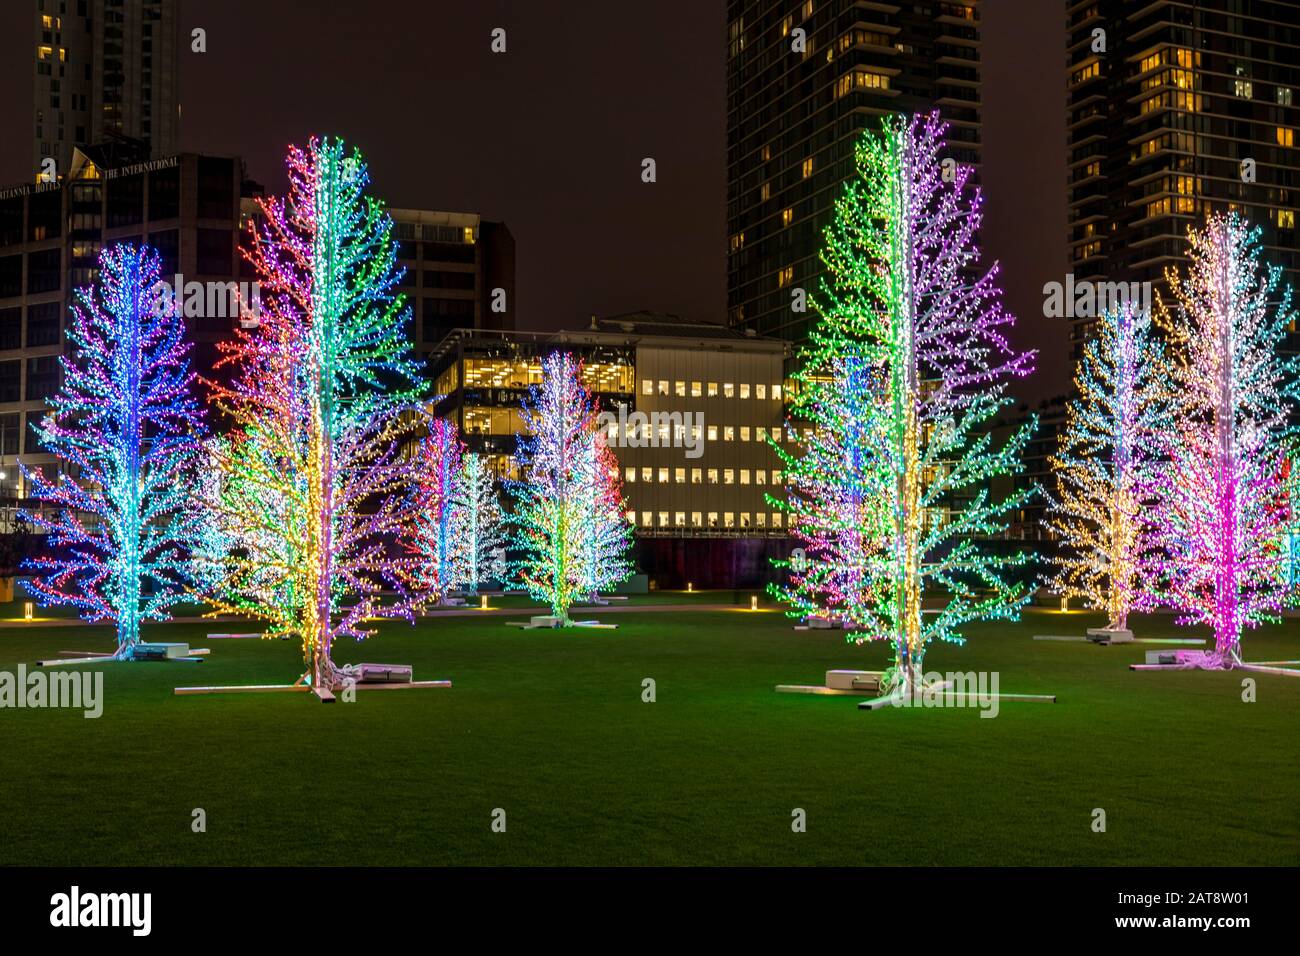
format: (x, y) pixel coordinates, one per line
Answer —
(106, 70)
(804, 79)
(1178, 109)
(689, 410)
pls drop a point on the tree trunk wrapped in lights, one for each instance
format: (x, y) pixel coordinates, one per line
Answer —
(322, 385)
(1223, 504)
(1105, 464)
(903, 377)
(126, 423)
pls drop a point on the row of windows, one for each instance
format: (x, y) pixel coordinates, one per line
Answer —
(710, 519)
(729, 476)
(710, 389)
(677, 433)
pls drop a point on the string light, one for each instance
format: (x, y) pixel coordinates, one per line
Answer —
(478, 533)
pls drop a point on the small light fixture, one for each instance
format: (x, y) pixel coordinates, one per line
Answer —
(689, 587)
(28, 611)
(753, 602)
(1065, 602)
(483, 602)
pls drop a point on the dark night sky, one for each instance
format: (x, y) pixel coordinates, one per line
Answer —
(549, 136)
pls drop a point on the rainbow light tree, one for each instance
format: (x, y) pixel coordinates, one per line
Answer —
(1222, 504)
(605, 542)
(479, 553)
(321, 389)
(1105, 465)
(125, 421)
(551, 513)
(429, 537)
(904, 373)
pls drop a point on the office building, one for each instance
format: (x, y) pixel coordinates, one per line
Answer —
(796, 105)
(105, 71)
(1178, 109)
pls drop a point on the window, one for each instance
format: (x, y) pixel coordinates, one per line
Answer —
(807, 167)
(696, 390)
(696, 476)
(728, 390)
(713, 519)
(785, 277)
(647, 386)
(744, 390)
(1286, 218)
(729, 519)
(646, 521)
(713, 476)
(759, 477)
(679, 476)
(765, 192)
(762, 433)
(744, 476)
(728, 433)
(43, 271)
(647, 474)
(663, 476)
(663, 519)
(713, 433)
(1285, 136)
(10, 373)
(43, 324)
(42, 377)
(1284, 96)
(760, 520)
(680, 389)
(787, 216)
(776, 519)
(744, 433)
(695, 519)
(663, 387)
(713, 390)
(728, 476)
(11, 329)
(776, 393)
(631, 517)
(760, 391)
(679, 519)
(744, 519)
(629, 475)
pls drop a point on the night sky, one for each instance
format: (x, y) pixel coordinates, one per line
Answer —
(549, 136)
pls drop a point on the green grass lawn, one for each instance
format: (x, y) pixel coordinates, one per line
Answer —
(550, 726)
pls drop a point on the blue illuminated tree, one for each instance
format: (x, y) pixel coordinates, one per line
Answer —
(129, 432)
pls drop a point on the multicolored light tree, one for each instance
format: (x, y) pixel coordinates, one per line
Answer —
(322, 387)
(479, 553)
(1106, 463)
(128, 427)
(1222, 504)
(902, 379)
(430, 536)
(605, 535)
(550, 507)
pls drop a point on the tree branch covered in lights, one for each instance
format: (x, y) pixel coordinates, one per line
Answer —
(903, 377)
(479, 553)
(1223, 505)
(128, 428)
(320, 392)
(1105, 465)
(605, 534)
(550, 506)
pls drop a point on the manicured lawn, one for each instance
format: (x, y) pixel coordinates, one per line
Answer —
(550, 726)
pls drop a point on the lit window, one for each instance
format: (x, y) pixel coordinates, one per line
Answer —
(713, 519)
(663, 386)
(468, 234)
(713, 433)
(695, 519)
(728, 519)
(760, 391)
(663, 476)
(713, 476)
(744, 476)
(785, 277)
(759, 477)
(728, 432)
(679, 476)
(728, 476)
(776, 477)
(629, 475)
(776, 393)
(696, 390)
(787, 216)
(679, 519)
(713, 390)
(744, 519)
(663, 519)
(1284, 96)
(1285, 136)
(744, 433)
(728, 390)
(1286, 218)
(776, 519)
(760, 520)
(765, 192)
(647, 387)
(744, 390)
(645, 519)
(807, 167)
(631, 517)
(696, 476)
(680, 389)
(762, 433)
(647, 474)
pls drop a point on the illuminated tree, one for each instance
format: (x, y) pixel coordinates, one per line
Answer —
(321, 393)
(128, 428)
(1222, 503)
(430, 537)
(550, 508)
(1106, 463)
(902, 380)
(479, 553)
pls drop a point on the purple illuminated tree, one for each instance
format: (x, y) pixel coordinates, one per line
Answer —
(1223, 503)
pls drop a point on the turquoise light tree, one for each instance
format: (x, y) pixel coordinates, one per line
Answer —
(903, 378)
